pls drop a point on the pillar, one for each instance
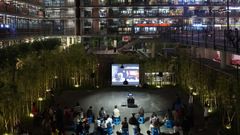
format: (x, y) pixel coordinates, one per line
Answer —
(153, 50)
(193, 51)
(223, 59)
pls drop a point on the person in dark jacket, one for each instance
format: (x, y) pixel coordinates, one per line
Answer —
(134, 122)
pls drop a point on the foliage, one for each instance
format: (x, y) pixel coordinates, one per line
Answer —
(218, 89)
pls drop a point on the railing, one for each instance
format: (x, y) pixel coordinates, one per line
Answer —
(158, 3)
(24, 11)
(215, 39)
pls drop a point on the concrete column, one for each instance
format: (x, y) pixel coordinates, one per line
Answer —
(223, 59)
(153, 50)
(68, 41)
(193, 51)
(73, 40)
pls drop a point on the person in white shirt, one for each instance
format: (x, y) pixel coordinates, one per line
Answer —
(190, 100)
(205, 115)
(116, 112)
(116, 115)
(109, 125)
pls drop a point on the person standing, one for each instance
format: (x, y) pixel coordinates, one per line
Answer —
(205, 115)
(125, 127)
(116, 115)
(90, 115)
(141, 116)
(190, 100)
(102, 113)
(109, 125)
(134, 122)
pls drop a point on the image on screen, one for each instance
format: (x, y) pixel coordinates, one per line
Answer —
(125, 72)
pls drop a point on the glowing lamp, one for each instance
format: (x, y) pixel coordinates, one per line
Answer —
(210, 110)
(195, 93)
(40, 99)
(97, 86)
(130, 94)
(76, 85)
(31, 115)
(55, 77)
(48, 90)
(228, 126)
(158, 86)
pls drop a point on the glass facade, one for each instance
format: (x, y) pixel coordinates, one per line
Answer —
(21, 17)
(112, 17)
(143, 17)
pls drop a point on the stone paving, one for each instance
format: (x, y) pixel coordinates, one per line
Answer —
(152, 100)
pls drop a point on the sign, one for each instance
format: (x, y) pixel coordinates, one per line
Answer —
(126, 38)
(153, 25)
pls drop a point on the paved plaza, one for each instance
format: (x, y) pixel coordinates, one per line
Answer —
(152, 100)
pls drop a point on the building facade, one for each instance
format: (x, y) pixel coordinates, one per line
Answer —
(72, 19)
(151, 17)
(28, 20)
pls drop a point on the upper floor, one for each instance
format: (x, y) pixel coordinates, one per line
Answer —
(122, 3)
(24, 8)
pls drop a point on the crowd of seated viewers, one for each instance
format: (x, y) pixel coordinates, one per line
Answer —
(57, 120)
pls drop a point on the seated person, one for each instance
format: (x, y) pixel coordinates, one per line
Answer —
(130, 99)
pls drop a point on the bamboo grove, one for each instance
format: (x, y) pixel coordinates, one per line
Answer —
(29, 70)
(217, 88)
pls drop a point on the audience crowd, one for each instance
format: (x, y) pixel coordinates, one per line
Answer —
(56, 120)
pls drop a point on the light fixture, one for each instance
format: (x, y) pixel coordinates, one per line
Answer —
(210, 110)
(55, 77)
(190, 87)
(48, 90)
(31, 115)
(194, 93)
(76, 85)
(40, 99)
(228, 126)
(130, 95)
